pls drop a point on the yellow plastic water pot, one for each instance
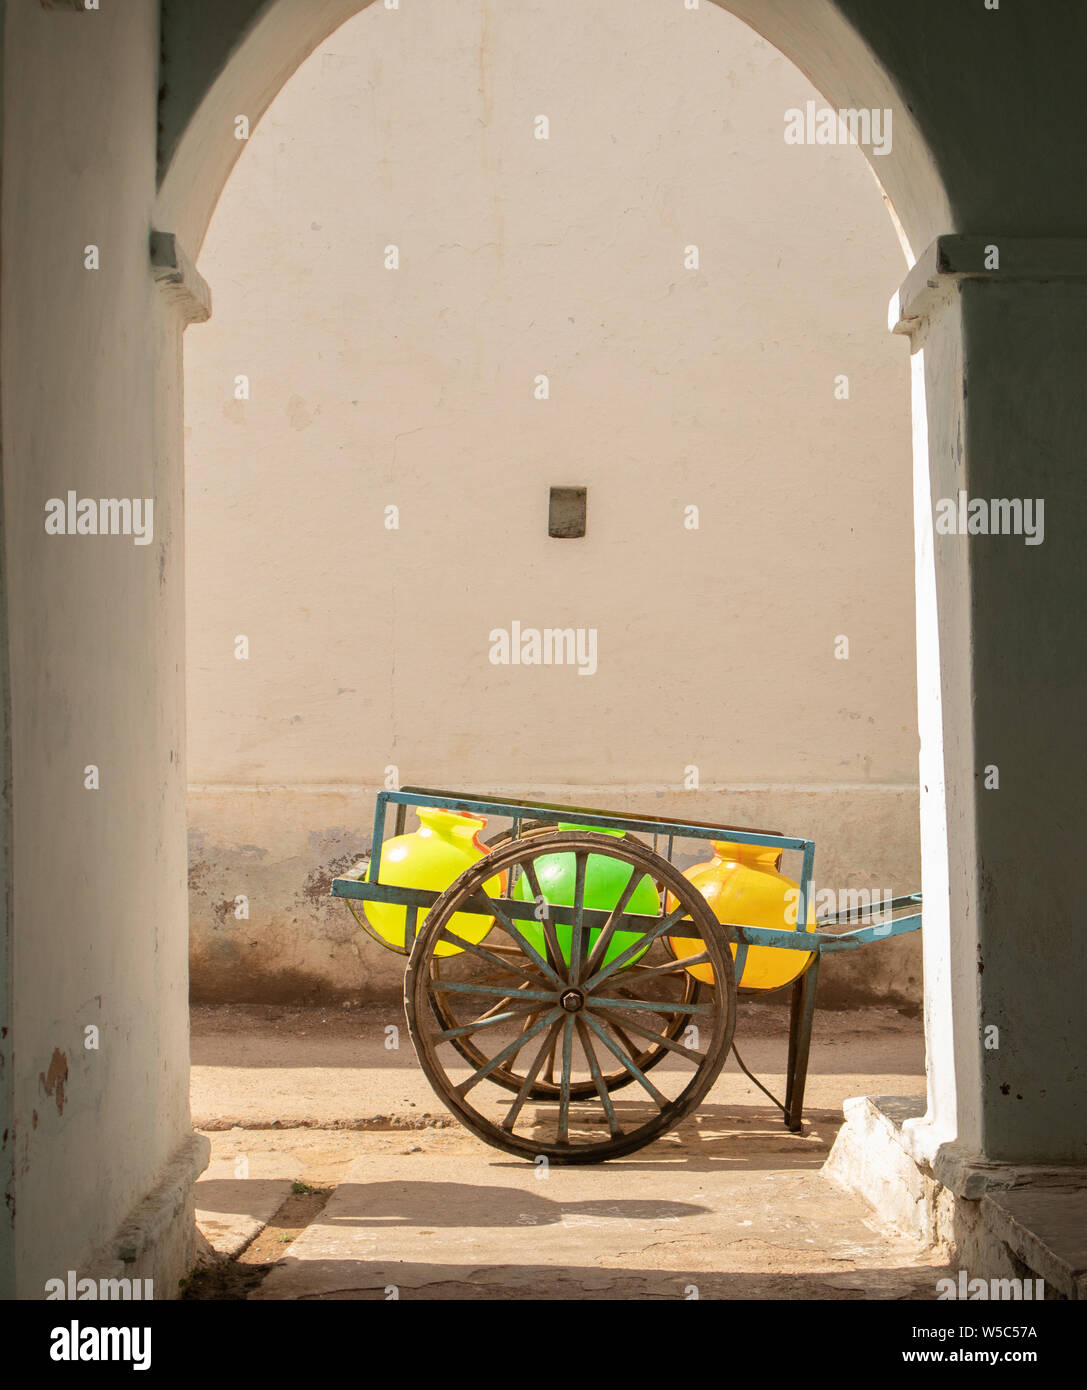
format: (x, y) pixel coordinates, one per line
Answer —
(430, 858)
(742, 885)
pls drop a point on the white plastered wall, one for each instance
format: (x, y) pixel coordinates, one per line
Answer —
(669, 387)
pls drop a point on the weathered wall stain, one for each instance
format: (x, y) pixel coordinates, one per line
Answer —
(52, 1081)
(224, 911)
(318, 882)
(298, 943)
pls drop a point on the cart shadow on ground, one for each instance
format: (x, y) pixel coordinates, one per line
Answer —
(454, 1205)
(723, 1137)
(717, 1140)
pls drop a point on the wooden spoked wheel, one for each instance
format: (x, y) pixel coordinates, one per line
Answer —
(546, 1086)
(587, 991)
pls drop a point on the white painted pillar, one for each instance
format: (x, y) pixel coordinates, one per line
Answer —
(999, 336)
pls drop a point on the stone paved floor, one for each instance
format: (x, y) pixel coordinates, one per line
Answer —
(729, 1206)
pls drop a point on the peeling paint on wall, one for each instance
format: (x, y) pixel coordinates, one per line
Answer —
(52, 1082)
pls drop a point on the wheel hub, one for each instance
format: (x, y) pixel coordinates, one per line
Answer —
(572, 1000)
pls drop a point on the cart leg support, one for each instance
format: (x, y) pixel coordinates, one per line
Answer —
(800, 1021)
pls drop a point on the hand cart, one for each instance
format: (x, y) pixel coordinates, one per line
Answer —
(529, 1031)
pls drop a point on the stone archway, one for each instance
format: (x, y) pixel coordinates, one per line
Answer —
(216, 67)
(247, 64)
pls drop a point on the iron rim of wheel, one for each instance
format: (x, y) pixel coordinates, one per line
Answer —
(562, 1009)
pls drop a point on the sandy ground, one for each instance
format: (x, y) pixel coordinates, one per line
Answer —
(337, 1173)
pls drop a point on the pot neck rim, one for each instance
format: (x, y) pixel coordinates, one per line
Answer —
(760, 856)
(439, 821)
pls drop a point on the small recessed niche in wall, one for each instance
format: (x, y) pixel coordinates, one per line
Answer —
(566, 512)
